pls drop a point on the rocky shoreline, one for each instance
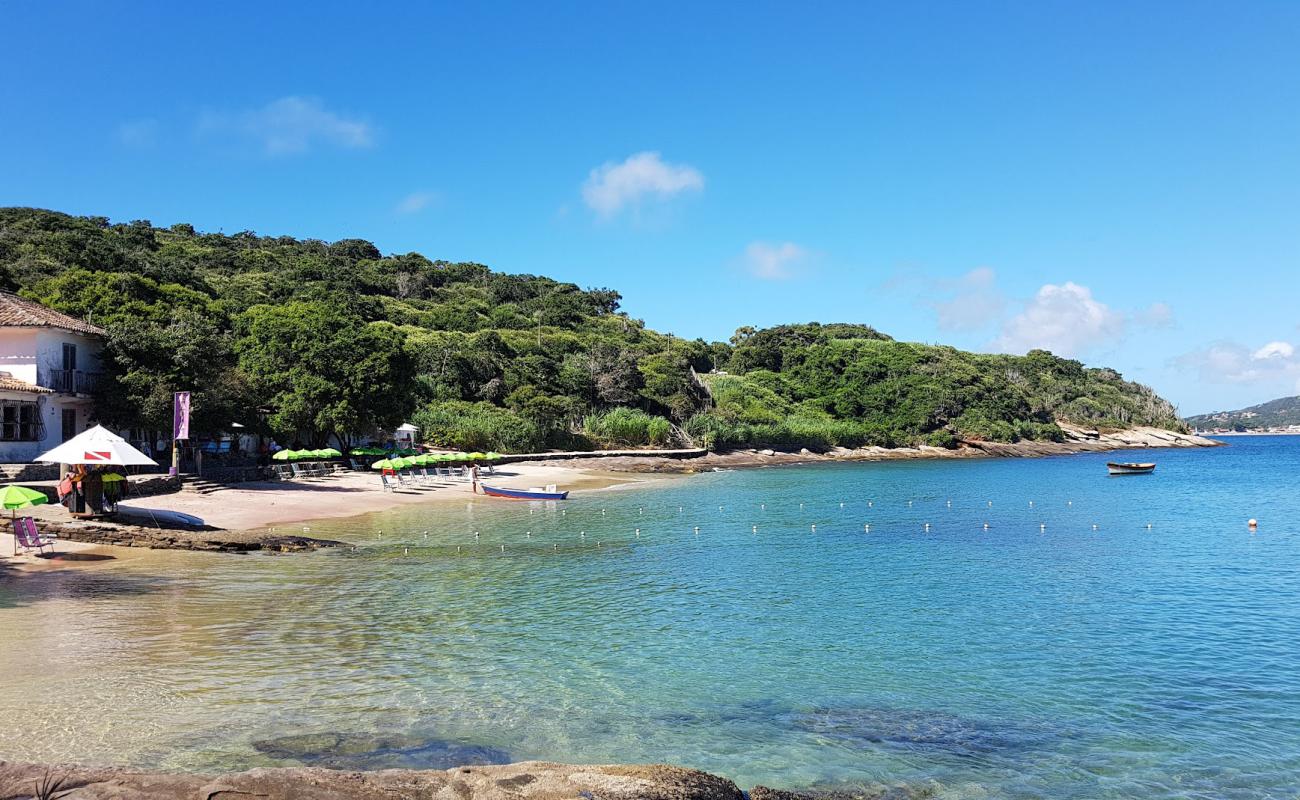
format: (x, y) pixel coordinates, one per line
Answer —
(528, 780)
(1078, 440)
(214, 540)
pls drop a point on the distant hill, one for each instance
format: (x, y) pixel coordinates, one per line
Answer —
(307, 340)
(1279, 413)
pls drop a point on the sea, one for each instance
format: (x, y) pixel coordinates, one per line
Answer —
(1000, 628)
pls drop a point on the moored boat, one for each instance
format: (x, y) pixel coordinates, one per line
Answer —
(549, 493)
(1130, 468)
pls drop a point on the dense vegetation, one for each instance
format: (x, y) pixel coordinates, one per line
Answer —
(307, 340)
(1280, 413)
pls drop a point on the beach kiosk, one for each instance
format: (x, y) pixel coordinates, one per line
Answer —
(91, 458)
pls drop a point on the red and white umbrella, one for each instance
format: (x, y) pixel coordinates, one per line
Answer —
(97, 446)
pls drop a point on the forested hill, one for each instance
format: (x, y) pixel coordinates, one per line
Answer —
(1280, 413)
(309, 339)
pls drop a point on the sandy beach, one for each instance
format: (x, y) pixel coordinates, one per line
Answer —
(248, 511)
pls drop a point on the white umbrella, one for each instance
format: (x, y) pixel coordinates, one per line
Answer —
(97, 446)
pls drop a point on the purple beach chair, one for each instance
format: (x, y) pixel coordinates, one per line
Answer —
(28, 538)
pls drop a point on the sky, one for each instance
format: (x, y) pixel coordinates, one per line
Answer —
(1115, 182)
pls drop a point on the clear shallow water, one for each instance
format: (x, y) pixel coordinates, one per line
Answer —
(1017, 662)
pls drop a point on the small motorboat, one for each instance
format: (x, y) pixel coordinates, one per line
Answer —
(549, 493)
(1130, 468)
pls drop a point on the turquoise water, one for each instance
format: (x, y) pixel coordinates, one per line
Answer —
(1019, 662)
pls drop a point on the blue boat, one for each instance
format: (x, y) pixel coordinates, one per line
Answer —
(525, 494)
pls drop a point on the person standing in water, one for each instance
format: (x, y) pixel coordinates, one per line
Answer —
(473, 476)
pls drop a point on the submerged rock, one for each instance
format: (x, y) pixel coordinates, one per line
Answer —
(874, 791)
(377, 751)
(915, 730)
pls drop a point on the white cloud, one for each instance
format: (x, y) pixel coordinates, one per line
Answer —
(1282, 351)
(1064, 319)
(290, 125)
(415, 202)
(773, 262)
(972, 301)
(1230, 362)
(139, 133)
(612, 187)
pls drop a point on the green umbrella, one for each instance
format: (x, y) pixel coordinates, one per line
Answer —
(281, 455)
(476, 456)
(382, 463)
(14, 497)
(492, 456)
(330, 452)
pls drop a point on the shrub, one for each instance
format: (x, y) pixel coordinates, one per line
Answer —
(477, 426)
(627, 426)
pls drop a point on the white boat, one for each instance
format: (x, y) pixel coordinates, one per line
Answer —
(1130, 468)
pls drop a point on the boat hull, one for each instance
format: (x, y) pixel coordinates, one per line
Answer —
(1130, 469)
(522, 494)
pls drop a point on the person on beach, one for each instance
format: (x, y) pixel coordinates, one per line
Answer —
(473, 477)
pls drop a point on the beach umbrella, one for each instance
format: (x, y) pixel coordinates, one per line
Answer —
(382, 463)
(330, 452)
(14, 497)
(281, 455)
(476, 456)
(98, 445)
(492, 456)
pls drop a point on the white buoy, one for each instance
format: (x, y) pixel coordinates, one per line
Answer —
(475, 534)
(1094, 526)
(528, 534)
(638, 533)
(814, 529)
(949, 504)
(909, 503)
(755, 529)
(1069, 502)
(1031, 503)
(503, 548)
(986, 526)
(1148, 526)
(801, 506)
(868, 504)
(990, 504)
(555, 548)
(640, 511)
(602, 512)
(582, 534)
(927, 527)
(719, 508)
(1252, 523)
(1042, 527)
(841, 505)
(697, 531)
(458, 549)
(406, 551)
(866, 528)
(763, 506)
(679, 509)
(563, 511)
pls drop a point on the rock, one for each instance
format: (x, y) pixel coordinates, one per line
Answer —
(767, 452)
(367, 751)
(529, 780)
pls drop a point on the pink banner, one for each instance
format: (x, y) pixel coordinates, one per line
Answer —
(181, 416)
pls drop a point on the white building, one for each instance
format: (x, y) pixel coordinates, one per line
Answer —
(48, 366)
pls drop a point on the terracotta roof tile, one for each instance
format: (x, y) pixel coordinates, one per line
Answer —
(15, 312)
(10, 384)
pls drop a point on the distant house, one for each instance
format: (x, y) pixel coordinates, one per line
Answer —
(49, 363)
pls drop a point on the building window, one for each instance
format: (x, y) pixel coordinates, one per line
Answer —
(20, 422)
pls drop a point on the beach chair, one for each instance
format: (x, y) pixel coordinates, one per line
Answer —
(27, 537)
(388, 485)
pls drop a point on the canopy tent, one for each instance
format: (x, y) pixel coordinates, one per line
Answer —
(97, 446)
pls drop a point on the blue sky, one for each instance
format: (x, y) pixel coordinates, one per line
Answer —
(1116, 182)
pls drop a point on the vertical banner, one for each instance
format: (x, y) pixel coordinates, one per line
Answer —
(181, 416)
